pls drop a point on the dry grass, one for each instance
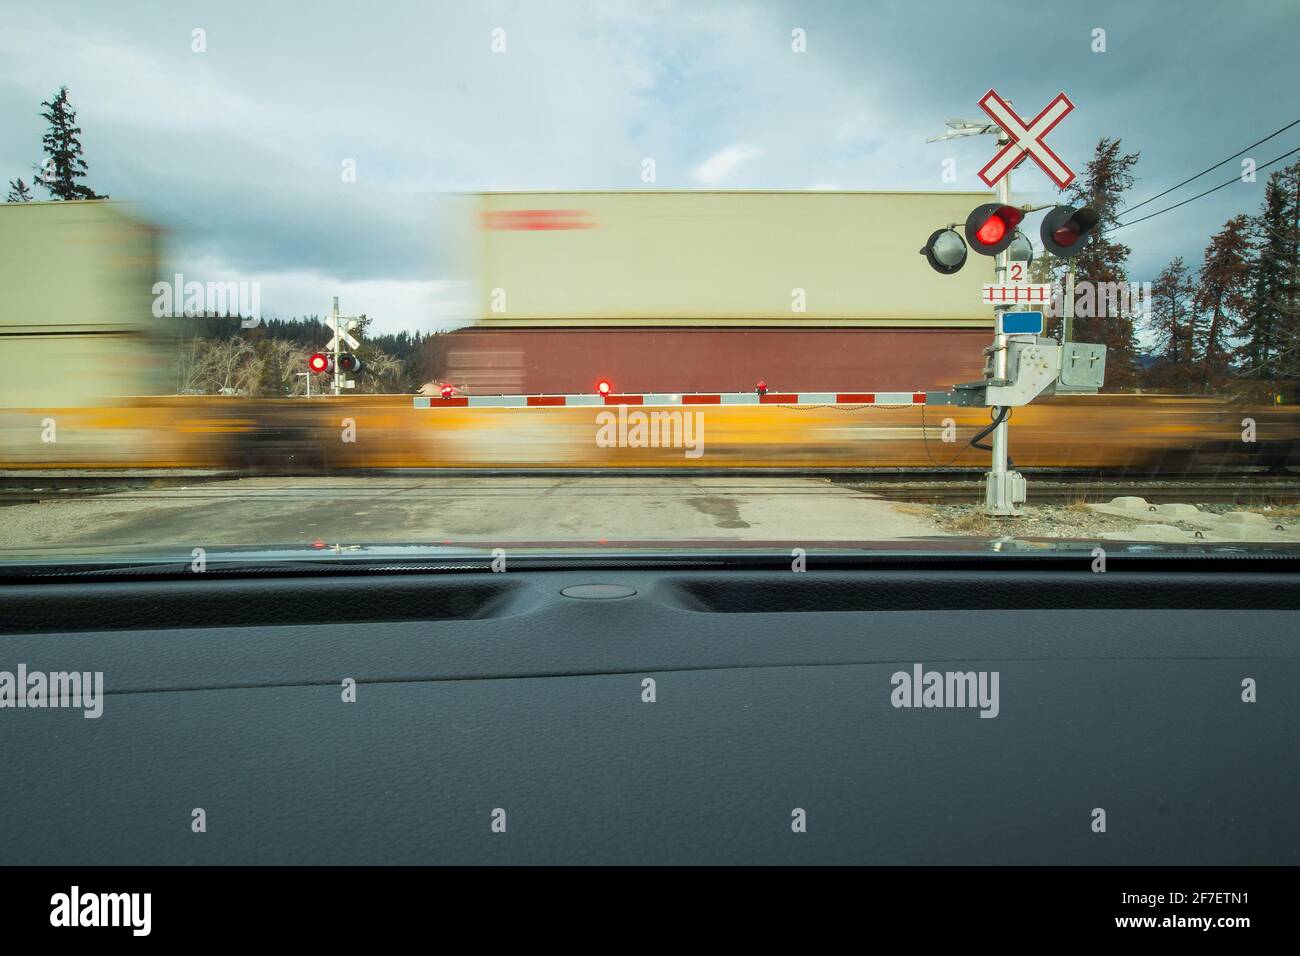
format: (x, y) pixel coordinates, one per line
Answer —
(973, 523)
(1283, 511)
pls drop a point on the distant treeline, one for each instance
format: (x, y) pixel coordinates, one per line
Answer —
(309, 332)
(214, 354)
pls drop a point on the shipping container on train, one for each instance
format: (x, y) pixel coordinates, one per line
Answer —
(76, 325)
(698, 291)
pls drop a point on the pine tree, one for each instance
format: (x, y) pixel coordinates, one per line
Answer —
(18, 191)
(1222, 297)
(1173, 326)
(1263, 324)
(1288, 298)
(64, 164)
(1107, 177)
(272, 374)
(1272, 321)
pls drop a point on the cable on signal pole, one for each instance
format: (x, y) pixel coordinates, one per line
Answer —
(999, 414)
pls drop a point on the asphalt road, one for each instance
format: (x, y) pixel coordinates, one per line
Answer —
(461, 510)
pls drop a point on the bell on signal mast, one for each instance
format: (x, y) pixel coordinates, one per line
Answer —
(1021, 249)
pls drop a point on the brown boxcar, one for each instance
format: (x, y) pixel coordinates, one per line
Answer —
(552, 360)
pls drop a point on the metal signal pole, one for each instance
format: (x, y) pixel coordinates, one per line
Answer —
(1067, 306)
(998, 499)
(334, 383)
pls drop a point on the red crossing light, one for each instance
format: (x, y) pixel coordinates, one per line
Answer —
(447, 391)
(603, 387)
(1064, 229)
(320, 362)
(994, 228)
(991, 227)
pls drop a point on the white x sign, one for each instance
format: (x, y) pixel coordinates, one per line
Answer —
(1026, 138)
(342, 333)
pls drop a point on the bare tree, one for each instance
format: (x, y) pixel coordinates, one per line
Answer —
(226, 364)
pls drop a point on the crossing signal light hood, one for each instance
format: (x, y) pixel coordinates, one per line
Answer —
(1065, 228)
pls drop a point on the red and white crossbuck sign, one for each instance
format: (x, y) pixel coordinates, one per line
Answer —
(1026, 138)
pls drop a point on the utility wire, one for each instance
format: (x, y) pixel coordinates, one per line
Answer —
(1199, 195)
(1208, 170)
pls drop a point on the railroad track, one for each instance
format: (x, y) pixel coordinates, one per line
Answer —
(918, 486)
(1245, 491)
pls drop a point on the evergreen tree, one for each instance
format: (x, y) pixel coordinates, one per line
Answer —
(1288, 300)
(1262, 324)
(1173, 326)
(272, 374)
(1222, 297)
(64, 164)
(1272, 320)
(18, 191)
(1107, 177)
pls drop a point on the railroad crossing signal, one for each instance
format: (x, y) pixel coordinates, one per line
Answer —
(1026, 138)
(335, 359)
(1019, 365)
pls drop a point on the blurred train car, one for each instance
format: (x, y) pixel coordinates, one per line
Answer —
(672, 291)
(1118, 434)
(78, 336)
(1126, 434)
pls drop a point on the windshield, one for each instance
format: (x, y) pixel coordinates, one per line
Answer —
(576, 278)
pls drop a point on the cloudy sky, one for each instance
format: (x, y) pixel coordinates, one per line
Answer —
(239, 150)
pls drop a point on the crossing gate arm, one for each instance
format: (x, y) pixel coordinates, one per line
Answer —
(899, 399)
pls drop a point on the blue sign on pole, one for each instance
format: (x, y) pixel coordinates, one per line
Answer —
(1020, 323)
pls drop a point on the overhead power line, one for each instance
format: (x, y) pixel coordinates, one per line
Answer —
(1209, 169)
(1234, 179)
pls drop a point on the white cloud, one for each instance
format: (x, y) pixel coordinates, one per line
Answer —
(719, 166)
(393, 305)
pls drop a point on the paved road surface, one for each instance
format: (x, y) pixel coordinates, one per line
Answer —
(374, 510)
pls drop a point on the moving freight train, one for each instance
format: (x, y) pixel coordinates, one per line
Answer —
(85, 358)
(1128, 434)
(659, 291)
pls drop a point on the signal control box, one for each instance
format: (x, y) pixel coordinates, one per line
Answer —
(1019, 368)
(1083, 368)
